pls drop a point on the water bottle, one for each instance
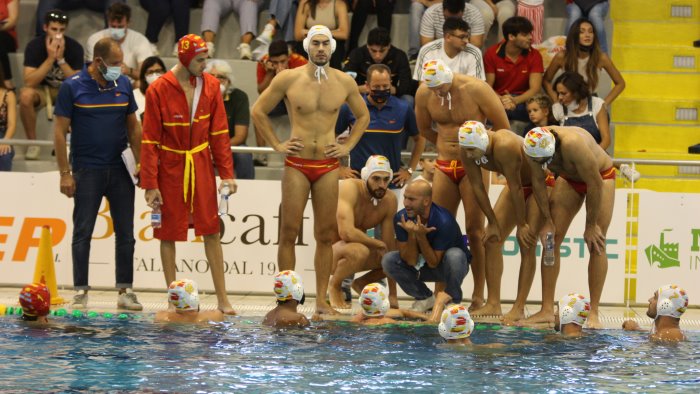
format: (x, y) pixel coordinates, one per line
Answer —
(549, 250)
(156, 216)
(223, 203)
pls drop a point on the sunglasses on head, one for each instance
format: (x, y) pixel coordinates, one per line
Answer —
(54, 16)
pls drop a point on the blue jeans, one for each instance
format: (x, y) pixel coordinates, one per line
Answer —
(452, 270)
(596, 15)
(518, 113)
(6, 160)
(158, 13)
(284, 12)
(243, 165)
(416, 14)
(90, 186)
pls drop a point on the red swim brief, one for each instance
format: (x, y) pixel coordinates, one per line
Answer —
(548, 180)
(581, 188)
(451, 168)
(312, 169)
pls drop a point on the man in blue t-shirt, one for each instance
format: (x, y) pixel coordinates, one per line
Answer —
(98, 105)
(431, 248)
(391, 122)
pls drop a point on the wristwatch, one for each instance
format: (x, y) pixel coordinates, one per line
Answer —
(410, 170)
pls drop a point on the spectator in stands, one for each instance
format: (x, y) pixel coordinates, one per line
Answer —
(417, 10)
(134, 45)
(151, 69)
(595, 11)
(283, 12)
(514, 69)
(434, 17)
(380, 51)
(8, 124)
(9, 13)
(577, 107)
(391, 121)
(158, 13)
(277, 60)
(539, 110)
(533, 10)
(238, 115)
(494, 10)
(360, 8)
(48, 60)
(330, 13)
(214, 10)
(45, 6)
(455, 50)
(582, 54)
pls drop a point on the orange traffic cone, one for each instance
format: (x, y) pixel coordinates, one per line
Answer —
(44, 271)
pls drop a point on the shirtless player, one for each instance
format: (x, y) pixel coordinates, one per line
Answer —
(450, 100)
(313, 95)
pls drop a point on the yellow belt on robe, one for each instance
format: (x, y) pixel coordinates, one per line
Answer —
(188, 179)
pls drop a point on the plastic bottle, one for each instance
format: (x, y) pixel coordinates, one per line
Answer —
(156, 219)
(549, 250)
(223, 203)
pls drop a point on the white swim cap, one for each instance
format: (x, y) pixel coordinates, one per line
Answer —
(472, 134)
(374, 300)
(436, 73)
(455, 322)
(672, 301)
(574, 308)
(539, 142)
(375, 163)
(288, 286)
(183, 295)
(318, 30)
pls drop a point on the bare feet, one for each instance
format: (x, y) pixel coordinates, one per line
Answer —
(227, 309)
(393, 301)
(442, 298)
(487, 310)
(322, 308)
(513, 316)
(538, 319)
(593, 322)
(337, 298)
(476, 304)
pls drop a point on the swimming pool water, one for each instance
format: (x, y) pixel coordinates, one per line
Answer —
(242, 356)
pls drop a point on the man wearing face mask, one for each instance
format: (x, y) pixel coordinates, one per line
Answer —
(390, 120)
(133, 44)
(100, 98)
(362, 205)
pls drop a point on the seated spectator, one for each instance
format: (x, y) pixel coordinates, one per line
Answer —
(431, 249)
(45, 6)
(215, 10)
(134, 45)
(666, 307)
(539, 110)
(277, 60)
(380, 51)
(434, 17)
(238, 115)
(283, 12)
(9, 13)
(582, 54)
(48, 60)
(158, 13)
(8, 124)
(595, 11)
(183, 298)
(417, 10)
(455, 50)
(151, 69)
(514, 69)
(289, 292)
(572, 315)
(533, 10)
(35, 300)
(360, 9)
(494, 10)
(330, 13)
(576, 107)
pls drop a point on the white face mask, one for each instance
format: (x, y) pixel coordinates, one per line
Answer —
(150, 78)
(572, 106)
(223, 89)
(117, 33)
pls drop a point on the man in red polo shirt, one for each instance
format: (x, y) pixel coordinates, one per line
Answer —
(514, 69)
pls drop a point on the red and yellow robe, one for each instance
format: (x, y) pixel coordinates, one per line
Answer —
(178, 157)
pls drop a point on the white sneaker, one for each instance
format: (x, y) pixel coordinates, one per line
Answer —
(154, 49)
(32, 153)
(267, 34)
(174, 50)
(210, 49)
(423, 306)
(129, 302)
(80, 301)
(245, 52)
(630, 173)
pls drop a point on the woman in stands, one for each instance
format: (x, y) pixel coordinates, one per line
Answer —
(331, 13)
(8, 122)
(152, 68)
(582, 55)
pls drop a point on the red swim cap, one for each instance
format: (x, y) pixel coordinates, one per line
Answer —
(35, 299)
(190, 46)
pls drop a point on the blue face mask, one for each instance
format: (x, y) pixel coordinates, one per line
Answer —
(111, 73)
(117, 33)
